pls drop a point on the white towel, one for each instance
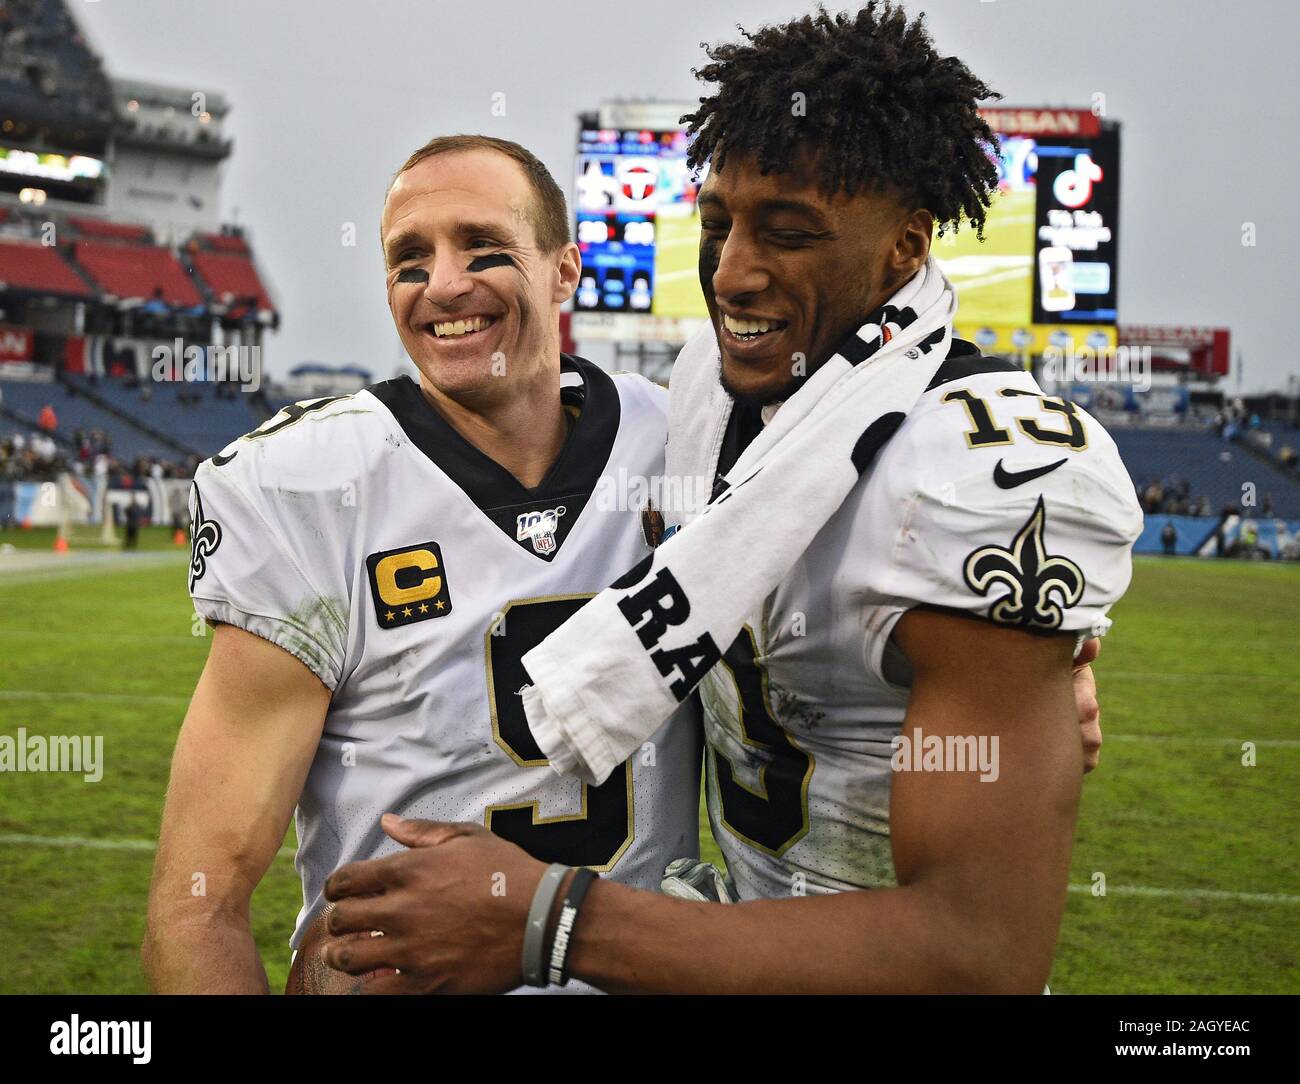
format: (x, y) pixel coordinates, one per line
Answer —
(607, 678)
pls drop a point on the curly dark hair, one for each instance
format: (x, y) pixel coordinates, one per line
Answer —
(882, 109)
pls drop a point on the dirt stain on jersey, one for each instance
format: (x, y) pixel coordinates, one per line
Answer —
(315, 623)
(791, 711)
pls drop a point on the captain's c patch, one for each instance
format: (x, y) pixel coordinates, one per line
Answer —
(408, 585)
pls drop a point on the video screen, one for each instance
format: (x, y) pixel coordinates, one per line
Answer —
(1050, 238)
(636, 225)
(1045, 270)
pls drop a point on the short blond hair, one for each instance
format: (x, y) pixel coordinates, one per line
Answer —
(549, 216)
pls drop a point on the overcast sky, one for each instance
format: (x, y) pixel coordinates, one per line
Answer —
(329, 96)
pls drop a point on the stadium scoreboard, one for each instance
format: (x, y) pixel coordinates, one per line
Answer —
(1046, 273)
(74, 177)
(637, 227)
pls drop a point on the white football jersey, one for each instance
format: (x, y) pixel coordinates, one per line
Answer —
(992, 501)
(411, 572)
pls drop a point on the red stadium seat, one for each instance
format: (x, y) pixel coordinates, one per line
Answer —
(137, 271)
(28, 265)
(223, 242)
(116, 231)
(231, 277)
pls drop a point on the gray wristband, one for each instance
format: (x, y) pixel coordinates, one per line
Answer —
(538, 915)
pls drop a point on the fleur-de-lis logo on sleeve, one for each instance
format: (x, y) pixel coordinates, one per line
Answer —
(1032, 575)
(205, 537)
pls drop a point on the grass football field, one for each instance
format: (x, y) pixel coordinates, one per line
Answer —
(993, 276)
(1197, 850)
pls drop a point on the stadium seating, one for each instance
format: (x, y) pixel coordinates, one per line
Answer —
(204, 427)
(231, 276)
(222, 242)
(110, 231)
(1212, 467)
(77, 412)
(32, 266)
(1272, 437)
(136, 271)
(46, 66)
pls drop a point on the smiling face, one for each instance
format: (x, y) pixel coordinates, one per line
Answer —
(789, 272)
(475, 300)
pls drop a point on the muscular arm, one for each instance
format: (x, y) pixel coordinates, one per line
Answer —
(242, 756)
(981, 866)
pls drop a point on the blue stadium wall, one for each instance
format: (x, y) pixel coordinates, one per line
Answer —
(1195, 531)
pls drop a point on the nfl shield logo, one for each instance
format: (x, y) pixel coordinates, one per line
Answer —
(539, 528)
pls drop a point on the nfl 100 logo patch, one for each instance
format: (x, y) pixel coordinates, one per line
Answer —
(539, 528)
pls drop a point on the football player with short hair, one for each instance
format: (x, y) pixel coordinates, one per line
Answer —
(944, 601)
(376, 564)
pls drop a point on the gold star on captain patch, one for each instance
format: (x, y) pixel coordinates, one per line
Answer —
(424, 607)
(440, 604)
(406, 612)
(389, 616)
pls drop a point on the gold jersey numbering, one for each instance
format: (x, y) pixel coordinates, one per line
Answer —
(983, 433)
(600, 833)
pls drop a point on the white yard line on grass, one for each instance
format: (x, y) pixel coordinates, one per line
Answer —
(87, 843)
(1280, 743)
(158, 698)
(45, 634)
(1144, 675)
(66, 694)
(25, 567)
(141, 845)
(1189, 894)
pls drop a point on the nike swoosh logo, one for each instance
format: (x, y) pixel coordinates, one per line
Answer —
(222, 460)
(1009, 479)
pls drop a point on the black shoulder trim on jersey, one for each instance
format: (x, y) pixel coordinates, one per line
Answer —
(499, 495)
(874, 436)
(964, 360)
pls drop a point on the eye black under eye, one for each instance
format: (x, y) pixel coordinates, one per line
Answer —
(413, 274)
(489, 261)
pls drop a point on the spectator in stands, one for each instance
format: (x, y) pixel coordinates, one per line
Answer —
(47, 420)
(100, 475)
(1219, 548)
(131, 514)
(1248, 541)
(44, 448)
(156, 305)
(1169, 537)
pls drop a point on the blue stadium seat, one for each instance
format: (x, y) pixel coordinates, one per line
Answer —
(1213, 467)
(206, 426)
(77, 412)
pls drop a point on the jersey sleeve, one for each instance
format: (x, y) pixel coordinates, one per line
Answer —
(1023, 535)
(247, 570)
